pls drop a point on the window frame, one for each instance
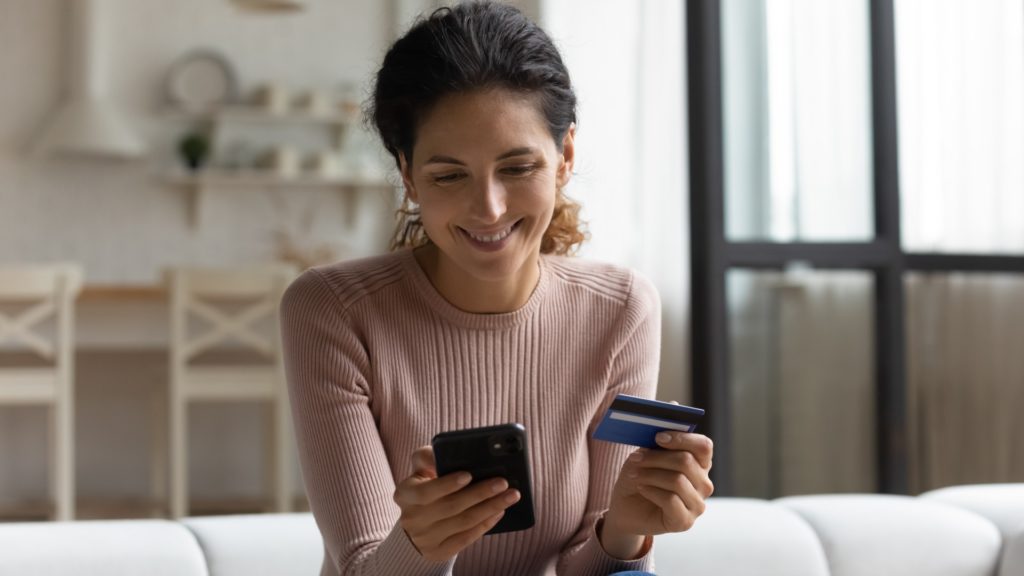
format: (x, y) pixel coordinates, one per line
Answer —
(712, 255)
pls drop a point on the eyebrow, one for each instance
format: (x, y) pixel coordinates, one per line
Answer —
(522, 151)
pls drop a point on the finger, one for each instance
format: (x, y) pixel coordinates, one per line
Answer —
(423, 462)
(698, 444)
(674, 462)
(701, 482)
(420, 491)
(679, 484)
(427, 516)
(456, 542)
(675, 516)
(474, 515)
(461, 501)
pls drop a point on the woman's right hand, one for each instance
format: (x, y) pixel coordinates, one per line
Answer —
(442, 516)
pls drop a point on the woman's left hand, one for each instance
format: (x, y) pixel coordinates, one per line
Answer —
(660, 491)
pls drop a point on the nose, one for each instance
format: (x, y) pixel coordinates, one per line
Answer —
(488, 203)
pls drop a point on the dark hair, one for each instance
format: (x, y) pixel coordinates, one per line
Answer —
(468, 47)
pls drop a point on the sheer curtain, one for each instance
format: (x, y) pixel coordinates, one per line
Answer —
(960, 90)
(960, 78)
(965, 375)
(797, 121)
(798, 168)
(802, 382)
(796, 90)
(626, 61)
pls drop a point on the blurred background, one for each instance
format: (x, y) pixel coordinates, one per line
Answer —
(828, 195)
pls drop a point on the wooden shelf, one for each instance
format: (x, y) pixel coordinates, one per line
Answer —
(333, 124)
(214, 178)
(258, 115)
(195, 184)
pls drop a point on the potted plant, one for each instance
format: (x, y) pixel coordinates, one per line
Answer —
(194, 148)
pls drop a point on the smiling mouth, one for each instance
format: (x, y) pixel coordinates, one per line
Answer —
(492, 238)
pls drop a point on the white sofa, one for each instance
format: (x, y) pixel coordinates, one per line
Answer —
(961, 531)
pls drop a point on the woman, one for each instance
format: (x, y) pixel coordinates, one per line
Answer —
(478, 318)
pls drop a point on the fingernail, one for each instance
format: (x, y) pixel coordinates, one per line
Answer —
(632, 474)
(636, 456)
(512, 497)
(498, 486)
(463, 478)
(664, 437)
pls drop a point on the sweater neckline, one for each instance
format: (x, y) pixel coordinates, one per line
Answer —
(425, 289)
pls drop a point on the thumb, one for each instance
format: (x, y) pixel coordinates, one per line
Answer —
(423, 462)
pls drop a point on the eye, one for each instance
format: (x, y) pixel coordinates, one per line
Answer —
(448, 178)
(520, 170)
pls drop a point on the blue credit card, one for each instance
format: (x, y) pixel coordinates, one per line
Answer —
(635, 421)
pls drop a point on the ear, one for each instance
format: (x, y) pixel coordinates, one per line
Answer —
(568, 157)
(406, 171)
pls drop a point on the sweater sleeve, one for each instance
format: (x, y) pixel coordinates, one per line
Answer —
(633, 370)
(344, 465)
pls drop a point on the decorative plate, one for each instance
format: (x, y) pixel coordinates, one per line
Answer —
(201, 80)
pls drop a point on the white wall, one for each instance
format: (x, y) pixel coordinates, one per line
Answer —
(85, 210)
(124, 225)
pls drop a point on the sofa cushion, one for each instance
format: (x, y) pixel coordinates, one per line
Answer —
(742, 536)
(867, 535)
(259, 544)
(1013, 554)
(100, 548)
(1003, 504)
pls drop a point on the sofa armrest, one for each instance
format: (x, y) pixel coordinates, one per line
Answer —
(100, 548)
(259, 544)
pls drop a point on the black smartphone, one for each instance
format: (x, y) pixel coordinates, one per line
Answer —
(491, 452)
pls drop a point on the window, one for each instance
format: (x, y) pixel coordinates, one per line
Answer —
(857, 238)
(960, 89)
(796, 97)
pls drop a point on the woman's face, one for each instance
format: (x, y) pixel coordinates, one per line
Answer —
(485, 173)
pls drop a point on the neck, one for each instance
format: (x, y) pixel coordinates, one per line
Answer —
(475, 295)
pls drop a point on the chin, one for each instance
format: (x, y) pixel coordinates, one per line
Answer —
(498, 269)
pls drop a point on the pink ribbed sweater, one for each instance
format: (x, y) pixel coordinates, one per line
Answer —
(379, 362)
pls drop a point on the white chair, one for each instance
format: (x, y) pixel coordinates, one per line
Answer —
(39, 293)
(232, 303)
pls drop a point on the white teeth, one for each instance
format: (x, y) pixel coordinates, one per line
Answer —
(491, 238)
